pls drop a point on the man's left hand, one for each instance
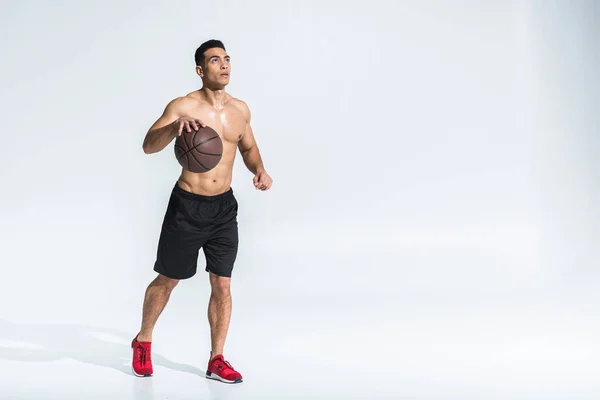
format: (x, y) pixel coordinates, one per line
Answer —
(262, 181)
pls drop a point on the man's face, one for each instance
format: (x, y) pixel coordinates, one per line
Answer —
(217, 67)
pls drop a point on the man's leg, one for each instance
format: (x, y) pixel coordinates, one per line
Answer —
(180, 240)
(181, 237)
(221, 252)
(219, 312)
(155, 300)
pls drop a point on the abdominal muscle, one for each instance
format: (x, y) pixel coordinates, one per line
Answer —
(210, 183)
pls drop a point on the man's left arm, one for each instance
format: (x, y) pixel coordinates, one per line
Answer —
(251, 156)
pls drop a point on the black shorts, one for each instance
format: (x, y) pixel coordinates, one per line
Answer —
(193, 222)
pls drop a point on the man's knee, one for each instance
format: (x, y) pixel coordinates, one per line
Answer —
(164, 282)
(221, 286)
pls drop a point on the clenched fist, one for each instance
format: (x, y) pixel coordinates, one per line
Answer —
(262, 181)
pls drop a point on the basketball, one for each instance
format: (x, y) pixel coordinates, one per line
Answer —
(199, 151)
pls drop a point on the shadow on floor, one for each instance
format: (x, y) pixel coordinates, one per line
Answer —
(80, 343)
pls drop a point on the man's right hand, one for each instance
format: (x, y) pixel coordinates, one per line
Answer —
(189, 124)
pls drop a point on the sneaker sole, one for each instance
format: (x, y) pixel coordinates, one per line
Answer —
(138, 375)
(210, 375)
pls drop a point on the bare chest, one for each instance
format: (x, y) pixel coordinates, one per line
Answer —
(229, 122)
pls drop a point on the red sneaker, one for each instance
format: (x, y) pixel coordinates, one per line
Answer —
(142, 358)
(220, 370)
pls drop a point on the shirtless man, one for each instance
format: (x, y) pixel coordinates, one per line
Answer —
(202, 210)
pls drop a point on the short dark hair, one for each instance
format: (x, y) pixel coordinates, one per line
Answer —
(209, 44)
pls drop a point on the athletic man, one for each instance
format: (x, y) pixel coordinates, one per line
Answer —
(202, 210)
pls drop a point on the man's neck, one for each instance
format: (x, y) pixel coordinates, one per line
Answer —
(215, 98)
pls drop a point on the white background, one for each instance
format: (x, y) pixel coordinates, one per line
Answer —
(432, 230)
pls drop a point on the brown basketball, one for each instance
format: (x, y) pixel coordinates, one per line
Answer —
(199, 151)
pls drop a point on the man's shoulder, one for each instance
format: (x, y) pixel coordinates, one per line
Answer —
(237, 102)
(185, 101)
(191, 98)
(240, 105)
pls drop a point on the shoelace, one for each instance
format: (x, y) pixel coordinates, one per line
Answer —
(226, 363)
(142, 354)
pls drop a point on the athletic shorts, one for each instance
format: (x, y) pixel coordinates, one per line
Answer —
(193, 222)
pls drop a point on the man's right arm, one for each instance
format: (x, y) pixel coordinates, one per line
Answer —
(164, 130)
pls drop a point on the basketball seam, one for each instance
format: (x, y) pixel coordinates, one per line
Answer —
(192, 139)
(182, 155)
(206, 154)
(202, 165)
(201, 143)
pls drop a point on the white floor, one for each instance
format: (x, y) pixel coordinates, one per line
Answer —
(432, 232)
(461, 344)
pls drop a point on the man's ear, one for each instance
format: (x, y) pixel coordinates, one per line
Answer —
(199, 71)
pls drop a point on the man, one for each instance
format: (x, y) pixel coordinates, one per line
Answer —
(202, 210)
